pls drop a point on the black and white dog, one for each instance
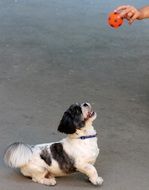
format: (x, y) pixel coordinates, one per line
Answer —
(77, 152)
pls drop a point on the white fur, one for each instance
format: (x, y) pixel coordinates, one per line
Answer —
(17, 155)
(85, 152)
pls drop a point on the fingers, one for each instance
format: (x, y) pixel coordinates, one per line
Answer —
(123, 7)
(129, 15)
(128, 12)
(133, 18)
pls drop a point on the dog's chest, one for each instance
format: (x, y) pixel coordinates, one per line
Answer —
(89, 149)
(86, 150)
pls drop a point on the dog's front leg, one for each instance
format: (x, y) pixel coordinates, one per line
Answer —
(91, 172)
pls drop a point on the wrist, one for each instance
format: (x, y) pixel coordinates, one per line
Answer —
(143, 12)
(140, 14)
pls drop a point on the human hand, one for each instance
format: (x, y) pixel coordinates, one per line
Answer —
(128, 12)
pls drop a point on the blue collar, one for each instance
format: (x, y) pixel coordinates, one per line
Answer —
(87, 137)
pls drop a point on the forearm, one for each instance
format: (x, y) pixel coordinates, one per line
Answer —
(144, 13)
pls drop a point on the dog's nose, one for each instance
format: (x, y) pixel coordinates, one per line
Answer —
(85, 104)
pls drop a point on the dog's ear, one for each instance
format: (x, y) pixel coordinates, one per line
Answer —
(66, 124)
(70, 123)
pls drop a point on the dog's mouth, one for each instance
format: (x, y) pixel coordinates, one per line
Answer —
(90, 115)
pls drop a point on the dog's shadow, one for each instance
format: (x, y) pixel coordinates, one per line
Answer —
(76, 180)
(16, 176)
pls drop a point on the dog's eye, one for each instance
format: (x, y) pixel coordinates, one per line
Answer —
(78, 111)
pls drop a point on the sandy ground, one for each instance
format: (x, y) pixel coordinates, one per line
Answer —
(54, 53)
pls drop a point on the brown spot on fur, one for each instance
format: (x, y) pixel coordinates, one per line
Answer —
(47, 175)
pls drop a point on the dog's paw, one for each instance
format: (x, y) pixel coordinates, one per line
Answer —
(52, 181)
(45, 181)
(96, 181)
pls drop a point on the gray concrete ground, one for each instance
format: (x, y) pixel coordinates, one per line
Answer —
(54, 53)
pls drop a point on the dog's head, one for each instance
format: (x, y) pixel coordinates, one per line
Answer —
(76, 118)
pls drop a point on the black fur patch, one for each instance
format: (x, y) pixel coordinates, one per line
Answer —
(66, 163)
(45, 155)
(71, 120)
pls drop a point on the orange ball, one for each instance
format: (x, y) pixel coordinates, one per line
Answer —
(114, 20)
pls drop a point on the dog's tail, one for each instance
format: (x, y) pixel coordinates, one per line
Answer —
(17, 155)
